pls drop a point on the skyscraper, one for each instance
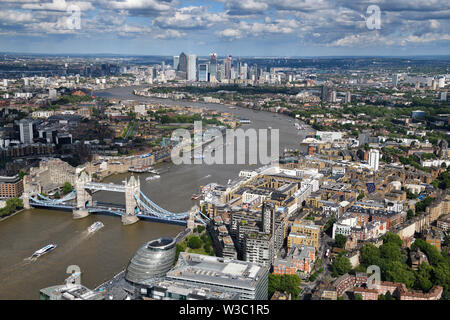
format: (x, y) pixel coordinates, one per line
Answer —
(324, 93)
(395, 80)
(192, 68)
(220, 72)
(348, 97)
(239, 66)
(244, 71)
(26, 131)
(433, 84)
(268, 218)
(213, 67)
(374, 158)
(228, 63)
(182, 65)
(333, 96)
(176, 61)
(203, 72)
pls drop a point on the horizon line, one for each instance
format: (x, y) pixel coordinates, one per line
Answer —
(242, 56)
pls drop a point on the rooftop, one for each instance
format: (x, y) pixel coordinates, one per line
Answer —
(216, 270)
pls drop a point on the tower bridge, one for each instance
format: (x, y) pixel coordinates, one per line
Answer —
(137, 204)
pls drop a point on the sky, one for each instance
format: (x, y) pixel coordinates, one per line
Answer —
(237, 27)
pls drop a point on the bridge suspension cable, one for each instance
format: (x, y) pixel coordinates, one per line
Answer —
(162, 210)
(165, 215)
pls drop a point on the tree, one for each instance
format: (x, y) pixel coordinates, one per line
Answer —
(369, 254)
(195, 243)
(340, 240)
(274, 283)
(179, 248)
(392, 238)
(433, 255)
(410, 214)
(390, 251)
(22, 174)
(67, 188)
(12, 204)
(388, 296)
(358, 296)
(396, 271)
(291, 285)
(361, 195)
(207, 248)
(341, 265)
(286, 283)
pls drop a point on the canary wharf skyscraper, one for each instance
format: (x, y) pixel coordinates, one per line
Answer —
(228, 63)
(192, 67)
(212, 67)
(203, 72)
(182, 64)
(176, 61)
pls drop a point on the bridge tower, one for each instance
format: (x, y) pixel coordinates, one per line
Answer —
(29, 189)
(192, 214)
(26, 199)
(83, 196)
(132, 189)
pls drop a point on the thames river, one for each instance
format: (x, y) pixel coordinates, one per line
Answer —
(104, 253)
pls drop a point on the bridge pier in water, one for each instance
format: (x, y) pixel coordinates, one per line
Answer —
(83, 196)
(132, 189)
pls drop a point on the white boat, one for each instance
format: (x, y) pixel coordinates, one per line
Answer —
(95, 226)
(43, 250)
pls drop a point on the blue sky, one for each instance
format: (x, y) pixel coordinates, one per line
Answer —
(237, 27)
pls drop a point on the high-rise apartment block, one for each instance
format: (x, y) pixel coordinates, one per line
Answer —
(374, 158)
(192, 68)
(26, 131)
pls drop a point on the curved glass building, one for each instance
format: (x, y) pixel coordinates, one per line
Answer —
(153, 259)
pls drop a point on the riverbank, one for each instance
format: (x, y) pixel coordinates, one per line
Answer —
(11, 215)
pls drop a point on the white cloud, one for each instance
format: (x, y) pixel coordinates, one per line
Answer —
(230, 33)
(58, 5)
(169, 34)
(9, 17)
(138, 5)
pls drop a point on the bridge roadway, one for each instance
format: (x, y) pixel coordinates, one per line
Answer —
(97, 186)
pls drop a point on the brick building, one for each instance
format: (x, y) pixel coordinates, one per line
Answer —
(10, 187)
